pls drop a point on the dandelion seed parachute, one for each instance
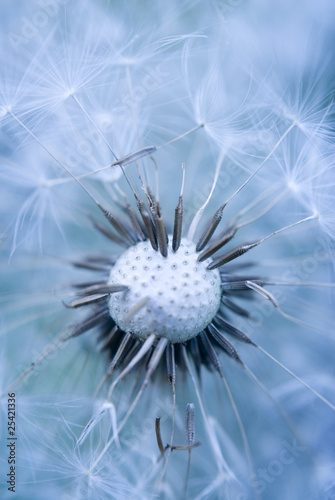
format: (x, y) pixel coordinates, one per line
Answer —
(79, 233)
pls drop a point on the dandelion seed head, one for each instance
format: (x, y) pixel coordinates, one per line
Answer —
(182, 295)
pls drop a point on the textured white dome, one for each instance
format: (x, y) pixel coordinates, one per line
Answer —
(174, 297)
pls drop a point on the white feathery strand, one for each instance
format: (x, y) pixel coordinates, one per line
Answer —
(198, 215)
(290, 372)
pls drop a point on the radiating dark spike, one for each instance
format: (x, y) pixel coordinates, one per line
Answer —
(190, 423)
(210, 229)
(85, 301)
(110, 337)
(150, 228)
(178, 225)
(90, 266)
(190, 437)
(90, 322)
(158, 435)
(86, 284)
(232, 278)
(129, 347)
(100, 259)
(171, 364)
(195, 353)
(105, 330)
(109, 234)
(232, 330)
(240, 285)
(124, 361)
(234, 307)
(210, 351)
(178, 217)
(179, 358)
(160, 231)
(120, 351)
(162, 237)
(107, 289)
(220, 261)
(120, 227)
(206, 359)
(217, 245)
(134, 156)
(138, 228)
(224, 343)
(237, 267)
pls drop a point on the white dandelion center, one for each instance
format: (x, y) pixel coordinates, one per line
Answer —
(174, 297)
